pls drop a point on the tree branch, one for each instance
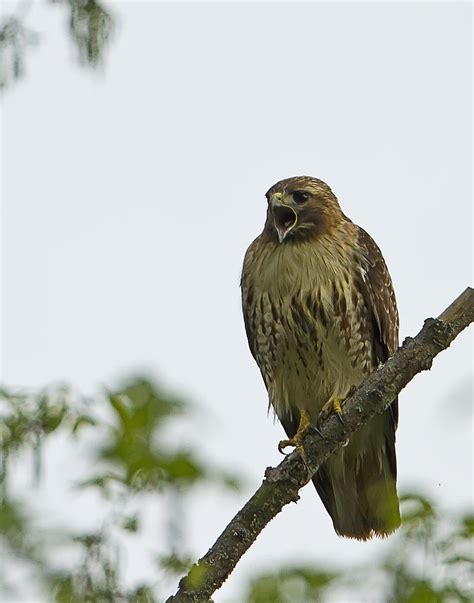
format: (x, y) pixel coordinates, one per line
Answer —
(281, 484)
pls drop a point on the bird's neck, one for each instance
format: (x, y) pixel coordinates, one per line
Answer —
(295, 266)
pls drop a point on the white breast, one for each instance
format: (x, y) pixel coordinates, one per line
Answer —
(306, 350)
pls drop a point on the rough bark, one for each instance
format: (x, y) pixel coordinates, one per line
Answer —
(282, 483)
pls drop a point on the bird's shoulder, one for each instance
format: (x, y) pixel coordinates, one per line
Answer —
(378, 290)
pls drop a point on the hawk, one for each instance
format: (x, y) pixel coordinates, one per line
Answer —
(320, 315)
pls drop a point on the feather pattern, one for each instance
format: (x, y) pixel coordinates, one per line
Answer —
(320, 315)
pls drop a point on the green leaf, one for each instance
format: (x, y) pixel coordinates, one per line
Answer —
(131, 524)
(416, 508)
(290, 585)
(82, 421)
(467, 527)
(174, 564)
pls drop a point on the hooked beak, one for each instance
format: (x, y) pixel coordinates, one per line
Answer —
(284, 216)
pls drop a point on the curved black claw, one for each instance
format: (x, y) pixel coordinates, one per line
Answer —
(334, 406)
(339, 416)
(316, 429)
(284, 444)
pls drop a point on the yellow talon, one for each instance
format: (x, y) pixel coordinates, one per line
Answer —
(334, 405)
(297, 439)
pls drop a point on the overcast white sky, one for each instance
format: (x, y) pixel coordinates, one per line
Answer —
(129, 198)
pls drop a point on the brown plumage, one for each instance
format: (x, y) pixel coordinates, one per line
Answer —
(320, 315)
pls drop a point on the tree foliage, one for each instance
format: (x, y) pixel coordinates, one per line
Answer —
(131, 461)
(429, 560)
(90, 26)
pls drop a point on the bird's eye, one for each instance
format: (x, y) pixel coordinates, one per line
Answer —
(300, 196)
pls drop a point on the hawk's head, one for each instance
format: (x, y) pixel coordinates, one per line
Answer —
(301, 207)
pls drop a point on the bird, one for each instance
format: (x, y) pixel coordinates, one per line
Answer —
(320, 315)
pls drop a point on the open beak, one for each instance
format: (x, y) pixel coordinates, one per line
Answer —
(284, 218)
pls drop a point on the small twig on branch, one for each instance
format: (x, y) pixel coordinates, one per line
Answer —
(281, 484)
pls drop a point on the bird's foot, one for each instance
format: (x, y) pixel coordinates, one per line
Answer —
(334, 405)
(297, 440)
